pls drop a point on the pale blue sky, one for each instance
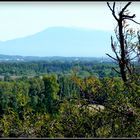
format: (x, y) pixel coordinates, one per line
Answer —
(19, 19)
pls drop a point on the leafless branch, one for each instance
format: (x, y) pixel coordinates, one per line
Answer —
(125, 7)
(134, 57)
(114, 6)
(111, 57)
(126, 16)
(113, 10)
(116, 70)
(129, 70)
(133, 20)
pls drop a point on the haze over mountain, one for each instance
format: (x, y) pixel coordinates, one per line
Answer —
(60, 41)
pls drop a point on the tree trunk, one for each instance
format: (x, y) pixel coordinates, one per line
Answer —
(122, 62)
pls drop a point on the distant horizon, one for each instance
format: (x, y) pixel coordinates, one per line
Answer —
(56, 56)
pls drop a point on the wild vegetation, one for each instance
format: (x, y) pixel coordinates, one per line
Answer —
(73, 99)
(69, 106)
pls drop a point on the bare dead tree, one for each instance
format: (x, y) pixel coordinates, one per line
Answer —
(124, 47)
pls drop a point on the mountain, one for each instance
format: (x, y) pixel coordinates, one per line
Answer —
(60, 41)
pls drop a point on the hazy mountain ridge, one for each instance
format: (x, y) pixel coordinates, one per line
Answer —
(59, 41)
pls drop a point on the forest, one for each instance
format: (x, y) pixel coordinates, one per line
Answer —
(38, 68)
(67, 100)
(75, 99)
